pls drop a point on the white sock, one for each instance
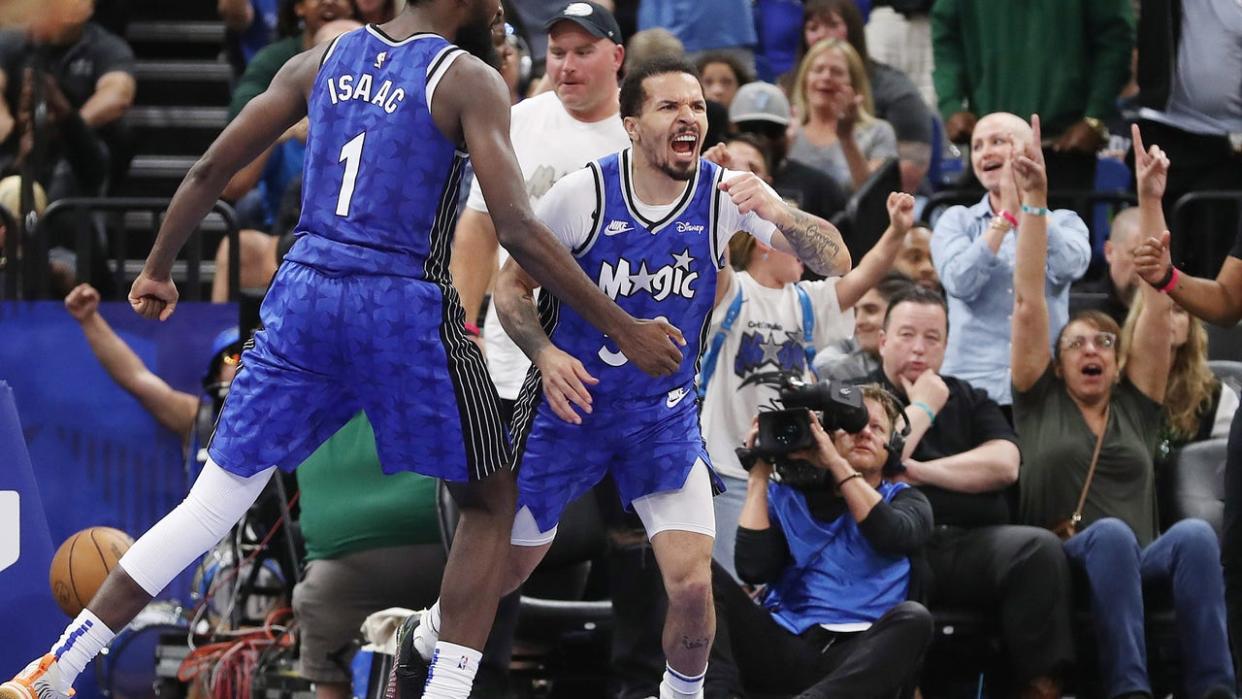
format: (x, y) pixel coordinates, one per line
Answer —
(427, 633)
(77, 646)
(452, 670)
(675, 685)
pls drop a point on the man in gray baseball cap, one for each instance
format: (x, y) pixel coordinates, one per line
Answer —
(762, 110)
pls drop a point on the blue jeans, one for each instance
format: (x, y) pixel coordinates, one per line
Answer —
(728, 506)
(1186, 557)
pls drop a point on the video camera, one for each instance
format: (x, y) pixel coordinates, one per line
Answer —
(838, 406)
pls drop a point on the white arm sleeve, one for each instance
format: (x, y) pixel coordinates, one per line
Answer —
(567, 208)
(731, 220)
(474, 200)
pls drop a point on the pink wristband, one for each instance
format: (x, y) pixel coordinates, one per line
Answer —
(1174, 277)
(1013, 220)
(471, 329)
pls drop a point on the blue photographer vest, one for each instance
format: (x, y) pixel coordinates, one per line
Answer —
(836, 576)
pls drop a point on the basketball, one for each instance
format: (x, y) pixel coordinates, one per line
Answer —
(81, 564)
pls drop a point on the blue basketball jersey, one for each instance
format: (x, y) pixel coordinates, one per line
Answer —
(652, 269)
(379, 184)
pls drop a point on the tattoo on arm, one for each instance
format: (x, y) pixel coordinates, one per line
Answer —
(520, 318)
(693, 643)
(817, 242)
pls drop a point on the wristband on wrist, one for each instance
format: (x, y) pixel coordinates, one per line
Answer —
(849, 478)
(1170, 280)
(1035, 210)
(471, 329)
(1013, 220)
(931, 414)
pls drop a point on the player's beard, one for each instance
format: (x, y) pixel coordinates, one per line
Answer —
(476, 38)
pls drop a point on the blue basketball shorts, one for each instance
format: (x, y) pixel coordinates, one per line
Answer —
(393, 347)
(648, 445)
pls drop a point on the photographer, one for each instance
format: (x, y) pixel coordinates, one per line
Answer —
(834, 620)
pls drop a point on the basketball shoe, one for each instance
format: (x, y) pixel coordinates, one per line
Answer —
(409, 670)
(38, 681)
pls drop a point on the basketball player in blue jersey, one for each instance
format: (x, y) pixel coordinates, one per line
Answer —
(362, 313)
(650, 224)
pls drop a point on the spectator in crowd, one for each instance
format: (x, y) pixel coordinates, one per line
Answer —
(838, 131)
(855, 357)
(1190, 55)
(1072, 82)
(761, 110)
(973, 251)
(896, 99)
(899, 34)
(299, 21)
(1088, 431)
(1197, 405)
(835, 619)
(177, 411)
(87, 77)
(250, 25)
(767, 320)
(721, 26)
(1120, 285)
(915, 259)
(1218, 301)
(962, 454)
(652, 44)
(722, 74)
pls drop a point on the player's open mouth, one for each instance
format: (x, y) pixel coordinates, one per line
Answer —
(685, 143)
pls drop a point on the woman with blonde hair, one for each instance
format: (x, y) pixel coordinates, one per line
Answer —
(1197, 405)
(837, 130)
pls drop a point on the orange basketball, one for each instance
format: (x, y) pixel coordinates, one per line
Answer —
(81, 564)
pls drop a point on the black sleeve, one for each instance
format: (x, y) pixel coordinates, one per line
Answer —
(760, 555)
(987, 422)
(85, 152)
(901, 526)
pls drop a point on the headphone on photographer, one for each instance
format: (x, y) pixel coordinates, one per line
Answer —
(896, 438)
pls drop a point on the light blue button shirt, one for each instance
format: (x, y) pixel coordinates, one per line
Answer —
(979, 287)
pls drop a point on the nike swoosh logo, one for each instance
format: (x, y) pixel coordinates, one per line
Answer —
(675, 396)
(617, 228)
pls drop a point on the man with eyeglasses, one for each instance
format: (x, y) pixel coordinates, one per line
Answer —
(963, 454)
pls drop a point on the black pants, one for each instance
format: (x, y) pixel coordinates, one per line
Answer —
(1021, 576)
(754, 653)
(1231, 537)
(1197, 163)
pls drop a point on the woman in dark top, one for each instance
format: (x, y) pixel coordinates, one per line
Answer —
(1064, 404)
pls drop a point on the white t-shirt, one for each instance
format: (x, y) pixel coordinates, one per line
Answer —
(770, 325)
(549, 143)
(568, 210)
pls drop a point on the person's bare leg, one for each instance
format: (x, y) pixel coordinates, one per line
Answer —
(258, 263)
(685, 564)
(118, 600)
(472, 584)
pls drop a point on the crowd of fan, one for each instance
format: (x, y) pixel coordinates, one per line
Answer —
(815, 97)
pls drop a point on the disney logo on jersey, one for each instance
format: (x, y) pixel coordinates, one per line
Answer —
(623, 280)
(684, 227)
(617, 228)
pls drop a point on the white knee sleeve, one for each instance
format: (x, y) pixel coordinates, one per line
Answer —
(215, 503)
(688, 509)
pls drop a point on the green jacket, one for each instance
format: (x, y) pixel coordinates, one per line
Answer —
(1062, 59)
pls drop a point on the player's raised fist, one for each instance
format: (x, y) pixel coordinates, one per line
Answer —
(153, 299)
(749, 193)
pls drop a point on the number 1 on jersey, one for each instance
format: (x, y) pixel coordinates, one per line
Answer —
(351, 155)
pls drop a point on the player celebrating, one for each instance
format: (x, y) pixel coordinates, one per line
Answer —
(362, 313)
(651, 223)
